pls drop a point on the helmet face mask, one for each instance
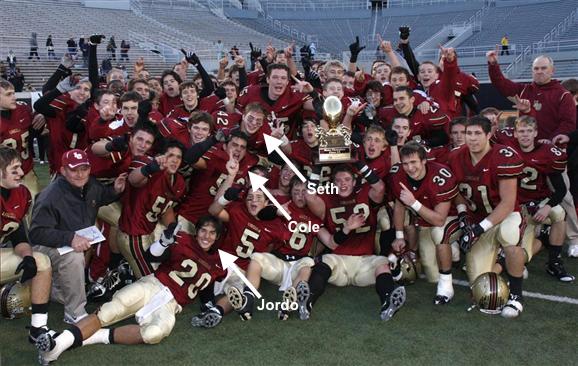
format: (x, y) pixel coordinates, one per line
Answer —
(409, 269)
(15, 300)
(490, 293)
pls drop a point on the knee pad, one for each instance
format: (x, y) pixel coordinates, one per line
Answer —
(557, 214)
(152, 334)
(109, 312)
(259, 258)
(509, 230)
(437, 234)
(42, 262)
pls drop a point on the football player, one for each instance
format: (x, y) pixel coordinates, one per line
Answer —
(189, 265)
(543, 163)
(350, 230)
(210, 173)
(108, 123)
(487, 176)
(287, 265)
(458, 132)
(15, 131)
(427, 188)
(155, 188)
(15, 201)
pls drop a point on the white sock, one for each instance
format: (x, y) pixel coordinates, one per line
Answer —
(100, 337)
(445, 285)
(39, 320)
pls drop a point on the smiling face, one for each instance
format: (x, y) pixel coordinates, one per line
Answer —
(476, 139)
(190, 98)
(381, 72)
(81, 93)
(413, 166)
(345, 183)
(11, 177)
(143, 89)
(398, 79)
(252, 122)
(403, 103)
(285, 176)
(200, 131)
(526, 135)
(333, 88)
(206, 236)
(77, 177)
(428, 74)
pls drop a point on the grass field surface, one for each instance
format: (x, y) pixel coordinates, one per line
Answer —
(345, 330)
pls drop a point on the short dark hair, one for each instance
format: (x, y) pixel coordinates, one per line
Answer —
(133, 82)
(341, 168)
(169, 143)
(187, 84)
(481, 121)
(131, 96)
(146, 126)
(571, 85)
(7, 156)
(239, 134)
(294, 181)
(373, 85)
(400, 70)
(5, 84)
(101, 93)
(170, 73)
(458, 121)
(406, 89)
(351, 74)
(413, 147)
(200, 116)
(272, 67)
(331, 80)
(210, 220)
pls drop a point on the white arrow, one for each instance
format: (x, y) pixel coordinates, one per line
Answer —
(273, 145)
(228, 261)
(258, 182)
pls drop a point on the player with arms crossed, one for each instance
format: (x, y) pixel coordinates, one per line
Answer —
(487, 177)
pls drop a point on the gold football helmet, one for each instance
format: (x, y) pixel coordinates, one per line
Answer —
(490, 292)
(409, 268)
(15, 300)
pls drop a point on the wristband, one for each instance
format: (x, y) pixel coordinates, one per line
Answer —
(340, 237)
(399, 234)
(486, 224)
(223, 201)
(284, 141)
(416, 205)
(462, 208)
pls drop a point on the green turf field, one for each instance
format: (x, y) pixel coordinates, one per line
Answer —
(345, 330)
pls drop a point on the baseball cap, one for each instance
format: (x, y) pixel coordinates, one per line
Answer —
(75, 158)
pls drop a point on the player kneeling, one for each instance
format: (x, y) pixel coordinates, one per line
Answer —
(186, 269)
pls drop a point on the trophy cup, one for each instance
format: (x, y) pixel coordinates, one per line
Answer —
(335, 143)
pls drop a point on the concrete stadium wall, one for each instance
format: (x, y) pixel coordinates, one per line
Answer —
(108, 4)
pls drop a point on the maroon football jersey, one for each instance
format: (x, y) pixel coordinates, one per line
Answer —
(14, 132)
(247, 235)
(99, 129)
(438, 185)
(141, 207)
(226, 120)
(167, 104)
(545, 159)
(479, 184)
(287, 106)
(175, 128)
(13, 210)
(189, 269)
(299, 244)
(62, 139)
(305, 155)
(504, 136)
(338, 209)
(204, 184)
(107, 168)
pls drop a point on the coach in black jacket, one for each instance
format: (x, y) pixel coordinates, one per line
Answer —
(68, 204)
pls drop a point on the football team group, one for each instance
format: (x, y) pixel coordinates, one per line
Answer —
(162, 166)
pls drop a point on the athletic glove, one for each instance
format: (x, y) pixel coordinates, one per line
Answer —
(370, 176)
(191, 58)
(255, 52)
(464, 220)
(117, 144)
(470, 235)
(404, 32)
(232, 194)
(391, 137)
(96, 38)
(28, 268)
(66, 85)
(220, 92)
(66, 61)
(151, 168)
(355, 49)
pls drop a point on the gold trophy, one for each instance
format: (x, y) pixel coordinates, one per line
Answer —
(335, 143)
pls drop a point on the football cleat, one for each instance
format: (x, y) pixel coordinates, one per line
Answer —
(289, 297)
(207, 319)
(48, 348)
(513, 307)
(242, 302)
(303, 300)
(34, 333)
(393, 303)
(556, 269)
(102, 289)
(442, 299)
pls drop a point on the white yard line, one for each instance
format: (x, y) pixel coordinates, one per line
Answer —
(535, 295)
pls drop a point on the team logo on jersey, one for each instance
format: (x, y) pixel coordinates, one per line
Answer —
(14, 131)
(9, 215)
(537, 105)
